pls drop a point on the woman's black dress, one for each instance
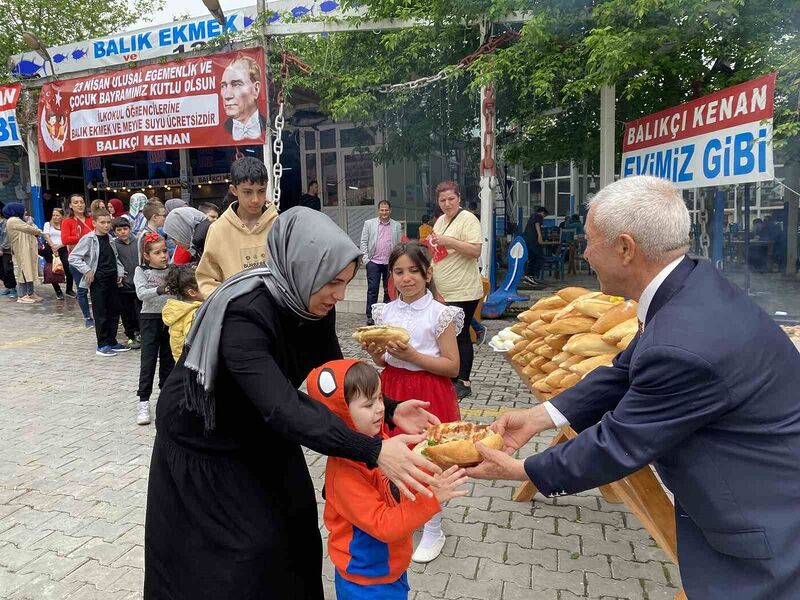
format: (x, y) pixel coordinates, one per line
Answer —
(231, 513)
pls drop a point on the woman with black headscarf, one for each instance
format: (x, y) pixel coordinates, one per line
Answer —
(231, 509)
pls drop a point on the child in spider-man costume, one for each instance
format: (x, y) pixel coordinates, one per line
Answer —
(370, 524)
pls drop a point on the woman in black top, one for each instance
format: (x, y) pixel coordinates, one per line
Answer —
(231, 510)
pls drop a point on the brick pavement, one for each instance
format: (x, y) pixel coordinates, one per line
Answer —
(73, 480)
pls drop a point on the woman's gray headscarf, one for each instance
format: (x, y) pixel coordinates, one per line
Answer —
(181, 223)
(174, 203)
(306, 251)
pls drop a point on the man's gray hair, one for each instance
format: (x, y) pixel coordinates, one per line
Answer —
(649, 209)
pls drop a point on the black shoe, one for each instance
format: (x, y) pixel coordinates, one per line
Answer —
(462, 391)
(71, 294)
(370, 322)
(533, 284)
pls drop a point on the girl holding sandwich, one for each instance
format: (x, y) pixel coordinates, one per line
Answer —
(423, 368)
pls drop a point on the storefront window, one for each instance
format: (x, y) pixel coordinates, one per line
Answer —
(330, 180)
(310, 140)
(327, 139)
(355, 137)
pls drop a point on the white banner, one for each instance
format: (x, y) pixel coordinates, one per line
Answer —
(723, 138)
(169, 39)
(9, 130)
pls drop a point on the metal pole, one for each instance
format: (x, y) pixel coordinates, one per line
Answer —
(747, 238)
(607, 110)
(792, 171)
(487, 184)
(717, 229)
(37, 206)
(267, 148)
(573, 189)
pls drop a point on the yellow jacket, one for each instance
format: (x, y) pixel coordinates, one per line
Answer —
(231, 248)
(178, 316)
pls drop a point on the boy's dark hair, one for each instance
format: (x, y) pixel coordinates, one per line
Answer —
(472, 206)
(386, 202)
(419, 255)
(248, 169)
(151, 209)
(542, 210)
(101, 212)
(205, 207)
(120, 222)
(179, 279)
(425, 218)
(362, 379)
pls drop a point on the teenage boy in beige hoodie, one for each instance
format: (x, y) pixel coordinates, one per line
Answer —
(238, 239)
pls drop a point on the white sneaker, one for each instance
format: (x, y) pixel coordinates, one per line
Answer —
(143, 414)
(426, 555)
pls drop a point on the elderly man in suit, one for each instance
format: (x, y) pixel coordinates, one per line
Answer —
(708, 392)
(378, 237)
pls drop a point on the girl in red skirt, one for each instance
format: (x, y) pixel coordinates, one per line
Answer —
(421, 369)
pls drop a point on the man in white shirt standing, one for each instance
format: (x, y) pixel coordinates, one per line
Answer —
(378, 237)
(707, 392)
(240, 88)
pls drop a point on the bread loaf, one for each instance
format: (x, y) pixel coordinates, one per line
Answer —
(554, 379)
(538, 361)
(556, 341)
(625, 342)
(530, 371)
(570, 325)
(590, 364)
(534, 345)
(529, 316)
(623, 330)
(541, 330)
(537, 377)
(571, 293)
(547, 315)
(619, 314)
(546, 351)
(541, 386)
(518, 328)
(593, 307)
(572, 360)
(571, 306)
(589, 344)
(549, 367)
(562, 357)
(569, 380)
(518, 347)
(548, 303)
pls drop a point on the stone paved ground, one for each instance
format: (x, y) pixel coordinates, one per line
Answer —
(73, 480)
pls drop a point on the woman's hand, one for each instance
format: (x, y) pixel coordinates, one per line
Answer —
(446, 241)
(444, 485)
(409, 471)
(412, 417)
(403, 351)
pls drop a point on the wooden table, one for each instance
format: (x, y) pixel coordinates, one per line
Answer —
(641, 492)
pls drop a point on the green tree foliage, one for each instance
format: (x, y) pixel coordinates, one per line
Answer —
(58, 22)
(659, 53)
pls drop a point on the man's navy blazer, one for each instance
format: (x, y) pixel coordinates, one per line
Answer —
(709, 393)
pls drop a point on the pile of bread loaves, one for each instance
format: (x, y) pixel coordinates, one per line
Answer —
(568, 335)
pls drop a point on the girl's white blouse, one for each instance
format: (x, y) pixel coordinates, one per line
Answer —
(425, 319)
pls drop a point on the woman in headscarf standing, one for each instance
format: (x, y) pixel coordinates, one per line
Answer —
(24, 247)
(180, 225)
(231, 509)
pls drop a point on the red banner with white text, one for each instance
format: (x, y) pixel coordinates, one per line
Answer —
(217, 100)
